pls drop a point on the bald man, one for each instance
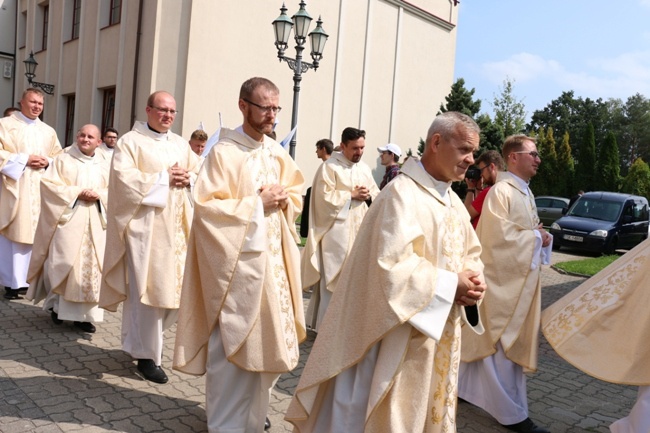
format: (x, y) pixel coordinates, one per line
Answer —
(65, 269)
(148, 227)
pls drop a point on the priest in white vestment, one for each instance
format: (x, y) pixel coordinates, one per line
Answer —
(65, 269)
(27, 147)
(342, 189)
(514, 248)
(387, 353)
(241, 315)
(148, 226)
(609, 310)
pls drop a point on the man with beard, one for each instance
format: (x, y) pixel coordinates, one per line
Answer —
(514, 248)
(241, 315)
(341, 192)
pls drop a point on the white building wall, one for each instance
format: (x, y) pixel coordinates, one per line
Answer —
(8, 67)
(387, 65)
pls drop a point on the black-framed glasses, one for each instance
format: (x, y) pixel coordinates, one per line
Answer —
(165, 110)
(483, 168)
(532, 153)
(264, 109)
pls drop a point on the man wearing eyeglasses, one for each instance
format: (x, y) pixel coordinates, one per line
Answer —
(109, 140)
(515, 246)
(342, 189)
(490, 163)
(147, 230)
(241, 317)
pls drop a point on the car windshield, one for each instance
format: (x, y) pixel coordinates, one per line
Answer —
(596, 208)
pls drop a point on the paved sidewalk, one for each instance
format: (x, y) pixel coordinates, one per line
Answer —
(57, 379)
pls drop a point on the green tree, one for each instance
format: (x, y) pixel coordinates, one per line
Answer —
(565, 168)
(462, 100)
(570, 114)
(608, 166)
(637, 180)
(545, 181)
(634, 130)
(491, 134)
(549, 162)
(586, 160)
(509, 112)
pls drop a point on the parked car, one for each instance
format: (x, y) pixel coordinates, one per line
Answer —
(550, 209)
(603, 222)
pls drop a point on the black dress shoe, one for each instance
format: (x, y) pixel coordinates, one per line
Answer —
(11, 293)
(55, 318)
(150, 371)
(267, 424)
(23, 290)
(526, 426)
(85, 327)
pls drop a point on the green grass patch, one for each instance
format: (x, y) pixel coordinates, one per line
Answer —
(588, 267)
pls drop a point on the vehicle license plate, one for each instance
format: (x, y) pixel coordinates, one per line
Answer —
(573, 238)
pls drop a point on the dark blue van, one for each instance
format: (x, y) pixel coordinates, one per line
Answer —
(603, 222)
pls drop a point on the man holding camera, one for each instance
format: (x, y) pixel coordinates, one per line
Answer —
(488, 165)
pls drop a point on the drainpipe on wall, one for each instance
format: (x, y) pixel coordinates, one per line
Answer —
(135, 66)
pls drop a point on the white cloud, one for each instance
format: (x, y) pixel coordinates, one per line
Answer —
(522, 67)
(617, 77)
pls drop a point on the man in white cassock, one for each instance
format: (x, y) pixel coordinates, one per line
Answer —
(387, 353)
(515, 246)
(241, 315)
(65, 268)
(341, 192)
(27, 147)
(148, 226)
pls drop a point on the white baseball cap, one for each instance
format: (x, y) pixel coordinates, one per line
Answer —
(390, 147)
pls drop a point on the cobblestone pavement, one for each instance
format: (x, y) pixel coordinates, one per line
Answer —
(54, 378)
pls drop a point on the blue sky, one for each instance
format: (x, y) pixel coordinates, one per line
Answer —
(597, 48)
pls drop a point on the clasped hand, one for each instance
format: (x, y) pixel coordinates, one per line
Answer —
(360, 193)
(88, 195)
(546, 236)
(178, 176)
(470, 288)
(37, 162)
(274, 197)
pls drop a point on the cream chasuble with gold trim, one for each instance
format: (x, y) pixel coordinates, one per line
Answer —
(70, 239)
(242, 270)
(20, 199)
(411, 244)
(148, 218)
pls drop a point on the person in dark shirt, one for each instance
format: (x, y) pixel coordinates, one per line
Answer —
(390, 155)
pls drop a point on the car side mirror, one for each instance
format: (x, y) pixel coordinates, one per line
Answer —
(627, 219)
(565, 210)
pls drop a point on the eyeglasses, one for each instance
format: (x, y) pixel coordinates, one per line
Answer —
(264, 109)
(484, 167)
(110, 137)
(165, 110)
(532, 153)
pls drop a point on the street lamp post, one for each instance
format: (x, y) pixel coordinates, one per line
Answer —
(30, 73)
(282, 27)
